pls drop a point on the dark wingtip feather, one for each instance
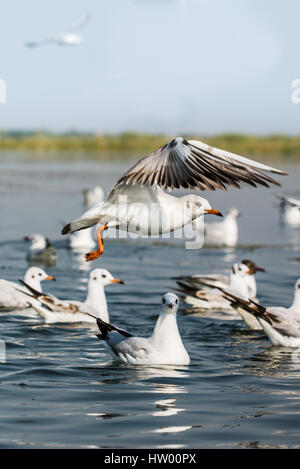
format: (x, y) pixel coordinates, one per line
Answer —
(66, 229)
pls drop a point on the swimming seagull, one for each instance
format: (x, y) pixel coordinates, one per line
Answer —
(205, 282)
(138, 202)
(82, 240)
(214, 299)
(163, 347)
(224, 233)
(70, 38)
(281, 325)
(41, 250)
(13, 297)
(291, 209)
(93, 196)
(52, 309)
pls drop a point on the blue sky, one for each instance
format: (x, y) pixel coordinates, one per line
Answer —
(172, 66)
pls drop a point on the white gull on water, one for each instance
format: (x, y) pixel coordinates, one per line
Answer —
(93, 196)
(82, 240)
(225, 232)
(41, 249)
(214, 299)
(52, 309)
(205, 282)
(291, 209)
(139, 203)
(163, 347)
(13, 297)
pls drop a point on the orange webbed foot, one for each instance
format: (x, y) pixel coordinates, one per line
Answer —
(91, 256)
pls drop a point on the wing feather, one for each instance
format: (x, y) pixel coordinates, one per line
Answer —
(182, 164)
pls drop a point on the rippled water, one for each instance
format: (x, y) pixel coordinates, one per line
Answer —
(60, 387)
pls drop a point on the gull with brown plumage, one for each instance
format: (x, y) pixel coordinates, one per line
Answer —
(53, 310)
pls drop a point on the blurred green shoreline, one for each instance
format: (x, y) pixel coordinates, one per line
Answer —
(275, 146)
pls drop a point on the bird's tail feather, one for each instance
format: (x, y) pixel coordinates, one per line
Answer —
(79, 224)
(35, 293)
(105, 328)
(251, 307)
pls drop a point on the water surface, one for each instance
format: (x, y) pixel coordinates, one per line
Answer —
(60, 388)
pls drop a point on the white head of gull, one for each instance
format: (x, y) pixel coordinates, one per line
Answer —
(11, 296)
(38, 242)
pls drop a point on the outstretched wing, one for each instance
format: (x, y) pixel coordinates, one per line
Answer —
(196, 165)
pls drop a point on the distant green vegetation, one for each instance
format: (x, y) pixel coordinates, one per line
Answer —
(130, 143)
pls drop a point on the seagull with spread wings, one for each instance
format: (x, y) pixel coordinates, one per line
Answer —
(70, 38)
(138, 202)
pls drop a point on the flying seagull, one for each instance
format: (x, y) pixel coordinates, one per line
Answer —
(138, 202)
(70, 38)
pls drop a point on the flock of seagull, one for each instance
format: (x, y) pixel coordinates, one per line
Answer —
(141, 202)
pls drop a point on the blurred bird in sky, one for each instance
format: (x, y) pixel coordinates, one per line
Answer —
(70, 38)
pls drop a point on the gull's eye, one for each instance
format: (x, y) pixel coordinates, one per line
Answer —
(40, 275)
(103, 275)
(94, 278)
(33, 276)
(176, 301)
(164, 301)
(240, 268)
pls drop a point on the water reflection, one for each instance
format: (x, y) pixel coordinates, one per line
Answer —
(175, 429)
(166, 408)
(275, 361)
